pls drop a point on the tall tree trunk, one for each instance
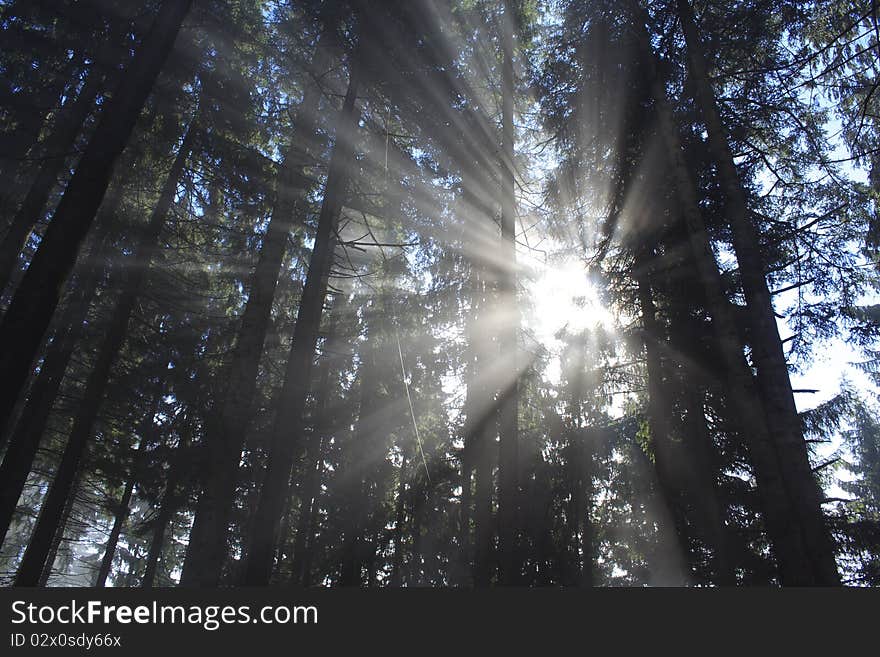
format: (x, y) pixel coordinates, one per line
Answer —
(419, 496)
(692, 379)
(28, 430)
(31, 309)
(767, 351)
(288, 428)
(705, 492)
(469, 432)
(157, 541)
(579, 467)
(508, 425)
(206, 550)
(569, 568)
(586, 442)
(481, 432)
(284, 549)
(360, 456)
(311, 484)
(465, 512)
(669, 458)
(740, 388)
(370, 560)
(16, 146)
(96, 384)
(303, 541)
(119, 518)
(399, 519)
(123, 507)
(58, 535)
(309, 552)
(168, 507)
(56, 151)
(483, 520)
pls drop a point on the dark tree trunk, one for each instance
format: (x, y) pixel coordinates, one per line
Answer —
(16, 147)
(284, 549)
(481, 433)
(669, 458)
(370, 560)
(399, 519)
(508, 425)
(58, 535)
(169, 506)
(304, 536)
(96, 384)
(469, 434)
(740, 387)
(579, 475)
(311, 484)
(569, 568)
(465, 512)
(805, 496)
(56, 151)
(309, 552)
(483, 520)
(157, 540)
(123, 508)
(419, 496)
(360, 456)
(206, 551)
(119, 518)
(288, 428)
(25, 440)
(687, 348)
(705, 492)
(31, 309)
(584, 494)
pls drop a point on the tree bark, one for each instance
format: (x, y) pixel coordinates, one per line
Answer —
(508, 425)
(206, 550)
(308, 509)
(311, 484)
(741, 390)
(309, 552)
(807, 524)
(584, 495)
(57, 148)
(465, 511)
(579, 474)
(669, 459)
(361, 453)
(689, 350)
(169, 506)
(119, 518)
(96, 384)
(16, 146)
(58, 534)
(482, 430)
(123, 508)
(28, 430)
(31, 309)
(288, 428)
(704, 489)
(399, 519)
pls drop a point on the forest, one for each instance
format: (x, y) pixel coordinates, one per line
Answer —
(439, 293)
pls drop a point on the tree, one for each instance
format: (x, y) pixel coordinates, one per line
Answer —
(28, 316)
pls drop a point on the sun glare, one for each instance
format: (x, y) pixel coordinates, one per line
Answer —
(563, 298)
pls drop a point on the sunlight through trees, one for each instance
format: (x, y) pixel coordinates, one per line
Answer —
(443, 294)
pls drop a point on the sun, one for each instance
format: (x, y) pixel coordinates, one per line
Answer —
(562, 296)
